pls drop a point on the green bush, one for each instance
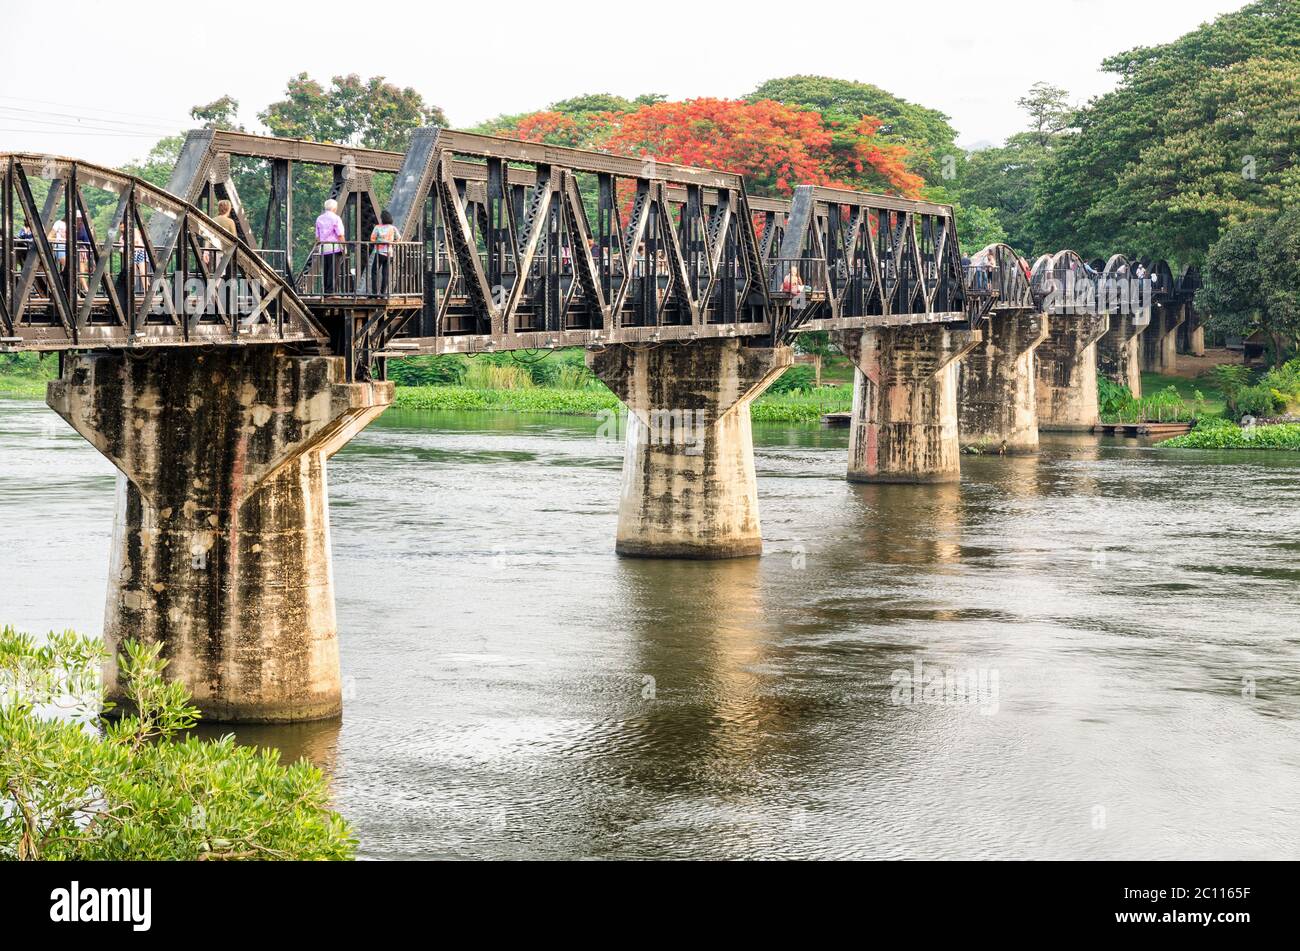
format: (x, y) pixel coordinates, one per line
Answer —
(1284, 382)
(1257, 400)
(78, 787)
(1117, 405)
(801, 377)
(1114, 398)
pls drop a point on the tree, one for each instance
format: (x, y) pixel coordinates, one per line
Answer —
(776, 146)
(221, 113)
(156, 167)
(1005, 180)
(1049, 109)
(77, 787)
(925, 133)
(579, 122)
(1252, 281)
(369, 113)
(1200, 134)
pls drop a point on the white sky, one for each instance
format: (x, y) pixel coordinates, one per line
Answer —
(138, 68)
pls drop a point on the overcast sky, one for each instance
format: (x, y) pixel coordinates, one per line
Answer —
(136, 70)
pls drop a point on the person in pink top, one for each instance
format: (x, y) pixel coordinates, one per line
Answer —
(329, 234)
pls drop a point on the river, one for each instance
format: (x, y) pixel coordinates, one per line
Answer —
(1104, 642)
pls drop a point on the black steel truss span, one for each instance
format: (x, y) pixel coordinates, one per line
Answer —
(93, 258)
(506, 245)
(536, 246)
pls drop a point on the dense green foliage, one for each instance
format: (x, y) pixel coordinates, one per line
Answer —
(927, 133)
(76, 786)
(1276, 391)
(1228, 435)
(1118, 405)
(1200, 133)
(25, 374)
(790, 406)
(371, 113)
(1002, 183)
(534, 399)
(1252, 281)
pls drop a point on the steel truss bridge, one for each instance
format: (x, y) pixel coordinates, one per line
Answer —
(508, 245)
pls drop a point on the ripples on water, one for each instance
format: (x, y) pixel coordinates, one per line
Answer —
(497, 654)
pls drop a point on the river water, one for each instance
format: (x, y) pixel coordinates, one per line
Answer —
(1104, 643)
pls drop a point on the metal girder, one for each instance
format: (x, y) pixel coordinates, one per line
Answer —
(84, 302)
(530, 245)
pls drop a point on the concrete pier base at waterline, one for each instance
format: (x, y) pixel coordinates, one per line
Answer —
(904, 421)
(997, 392)
(1119, 352)
(1067, 373)
(221, 548)
(689, 489)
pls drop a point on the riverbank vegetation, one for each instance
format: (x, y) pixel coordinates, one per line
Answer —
(1225, 434)
(24, 375)
(77, 786)
(1231, 391)
(559, 382)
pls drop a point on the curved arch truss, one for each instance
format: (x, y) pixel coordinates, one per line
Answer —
(998, 270)
(94, 258)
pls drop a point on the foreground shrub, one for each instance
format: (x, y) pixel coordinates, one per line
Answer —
(75, 786)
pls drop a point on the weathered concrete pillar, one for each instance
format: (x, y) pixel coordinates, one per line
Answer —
(997, 401)
(1160, 339)
(1119, 352)
(689, 489)
(904, 426)
(1195, 333)
(1067, 373)
(221, 547)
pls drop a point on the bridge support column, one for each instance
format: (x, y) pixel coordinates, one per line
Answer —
(1119, 352)
(904, 426)
(997, 389)
(1160, 339)
(221, 547)
(689, 489)
(1067, 373)
(1196, 341)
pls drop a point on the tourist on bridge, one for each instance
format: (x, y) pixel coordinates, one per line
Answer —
(382, 237)
(59, 236)
(223, 218)
(83, 252)
(329, 235)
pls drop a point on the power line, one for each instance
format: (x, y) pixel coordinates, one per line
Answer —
(69, 105)
(101, 134)
(59, 118)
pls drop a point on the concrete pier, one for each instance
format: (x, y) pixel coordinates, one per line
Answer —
(221, 547)
(689, 489)
(997, 399)
(1160, 339)
(1119, 354)
(1195, 331)
(1067, 373)
(904, 425)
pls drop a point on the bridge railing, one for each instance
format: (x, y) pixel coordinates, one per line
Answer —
(277, 260)
(351, 269)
